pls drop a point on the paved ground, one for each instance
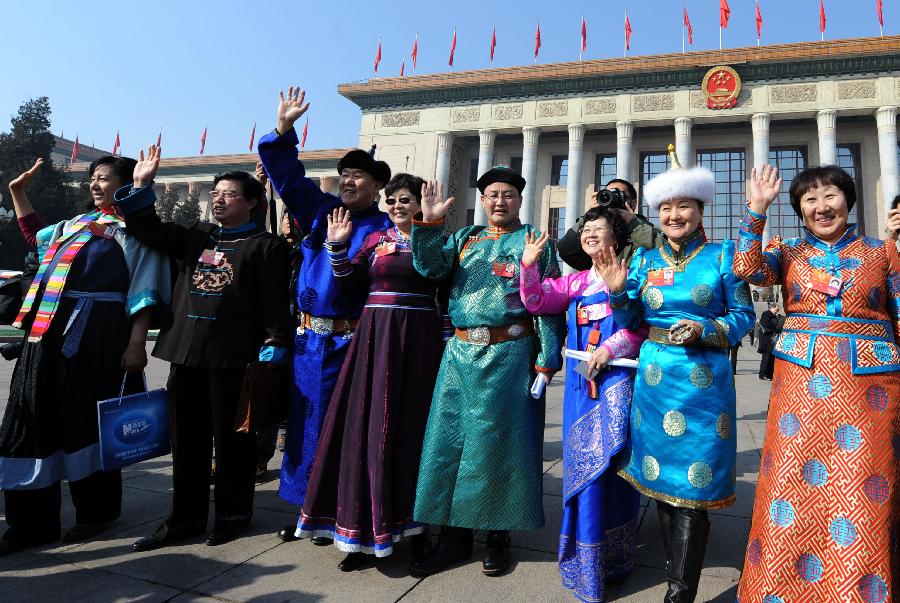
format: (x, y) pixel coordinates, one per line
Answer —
(260, 567)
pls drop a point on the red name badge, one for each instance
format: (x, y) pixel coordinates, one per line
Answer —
(504, 269)
(825, 283)
(211, 257)
(385, 249)
(594, 337)
(100, 230)
(661, 278)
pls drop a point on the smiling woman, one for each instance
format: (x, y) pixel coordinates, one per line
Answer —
(834, 403)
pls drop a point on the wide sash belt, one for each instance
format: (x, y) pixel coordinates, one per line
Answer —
(839, 326)
(392, 299)
(79, 318)
(326, 326)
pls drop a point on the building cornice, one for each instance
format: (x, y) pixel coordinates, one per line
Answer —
(803, 60)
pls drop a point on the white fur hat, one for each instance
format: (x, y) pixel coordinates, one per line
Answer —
(691, 183)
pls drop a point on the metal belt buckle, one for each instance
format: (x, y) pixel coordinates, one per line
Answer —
(479, 336)
(321, 326)
(515, 331)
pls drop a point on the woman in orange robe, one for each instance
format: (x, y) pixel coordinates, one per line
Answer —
(826, 510)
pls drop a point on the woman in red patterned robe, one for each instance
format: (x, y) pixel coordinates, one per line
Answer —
(826, 512)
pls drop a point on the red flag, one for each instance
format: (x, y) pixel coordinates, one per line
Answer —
(117, 144)
(583, 34)
(74, 157)
(627, 33)
(493, 43)
(159, 139)
(203, 141)
(690, 30)
(758, 23)
(452, 49)
(537, 41)
(822, 16)
(402, 68)
(252, 135)
(305, 132)
(415, 51)
(378, 56)
(880, 13)
(724, 13)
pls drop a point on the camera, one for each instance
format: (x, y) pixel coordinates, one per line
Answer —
(612, 198)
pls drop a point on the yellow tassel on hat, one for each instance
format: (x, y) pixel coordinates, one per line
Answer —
(673, 159)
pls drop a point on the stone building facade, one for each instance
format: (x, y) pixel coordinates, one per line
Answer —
(571, 127)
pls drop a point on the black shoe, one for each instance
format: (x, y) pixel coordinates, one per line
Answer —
(226, 531)
(454, 544)
(690, 531)
(420, 544)
(287, 533)
(496, 557)
(83, 531)
(165, 536)
(321, 540)
(354, 561)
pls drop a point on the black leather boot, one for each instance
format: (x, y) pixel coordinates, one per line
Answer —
(354, 561)
(496, 556)
(690, 531)
(420, 544)
(664, 512)
(454, 544)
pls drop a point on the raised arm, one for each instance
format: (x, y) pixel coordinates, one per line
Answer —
(751, 263)
(137, 204)
(624, 286)
(278, 152)
(351, 274)
(550, 296)
(432, 257)
(29, 222)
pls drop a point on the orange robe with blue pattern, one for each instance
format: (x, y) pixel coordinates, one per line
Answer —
(825, 517)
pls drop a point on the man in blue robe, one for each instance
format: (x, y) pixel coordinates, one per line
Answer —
(327, 315)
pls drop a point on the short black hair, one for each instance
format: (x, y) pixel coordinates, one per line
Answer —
(252, 188)
(825, 175)
(412, 183)
(122, 167)
(615, 221)
(631, 191)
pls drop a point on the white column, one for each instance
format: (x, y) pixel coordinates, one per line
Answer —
(760, 123)
(887, 151)
(826, 119)
(442, 166)
(530, 134)
(683, 141)
(624, 138)
(486, 139)
(574, 202)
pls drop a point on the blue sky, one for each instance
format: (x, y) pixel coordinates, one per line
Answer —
(136, 67)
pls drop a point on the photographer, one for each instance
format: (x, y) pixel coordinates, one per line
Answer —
(621, 197)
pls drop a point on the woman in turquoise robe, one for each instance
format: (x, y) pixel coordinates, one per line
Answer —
(682, 424)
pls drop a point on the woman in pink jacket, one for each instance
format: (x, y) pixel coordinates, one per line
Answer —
(600, 510)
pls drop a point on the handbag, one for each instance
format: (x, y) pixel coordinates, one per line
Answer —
(264, 397)
(133, 428)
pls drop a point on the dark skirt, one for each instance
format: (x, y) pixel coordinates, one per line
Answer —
(49, 431)
(363, 482)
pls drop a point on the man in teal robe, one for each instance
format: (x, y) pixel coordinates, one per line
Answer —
(481, 465)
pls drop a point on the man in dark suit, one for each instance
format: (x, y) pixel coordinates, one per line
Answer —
(769, 326)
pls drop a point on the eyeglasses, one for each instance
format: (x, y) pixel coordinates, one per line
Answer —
(507, 196)
(226, 195)
(595, 229)
(401, 201)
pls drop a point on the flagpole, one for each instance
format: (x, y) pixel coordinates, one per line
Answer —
(720, 37)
